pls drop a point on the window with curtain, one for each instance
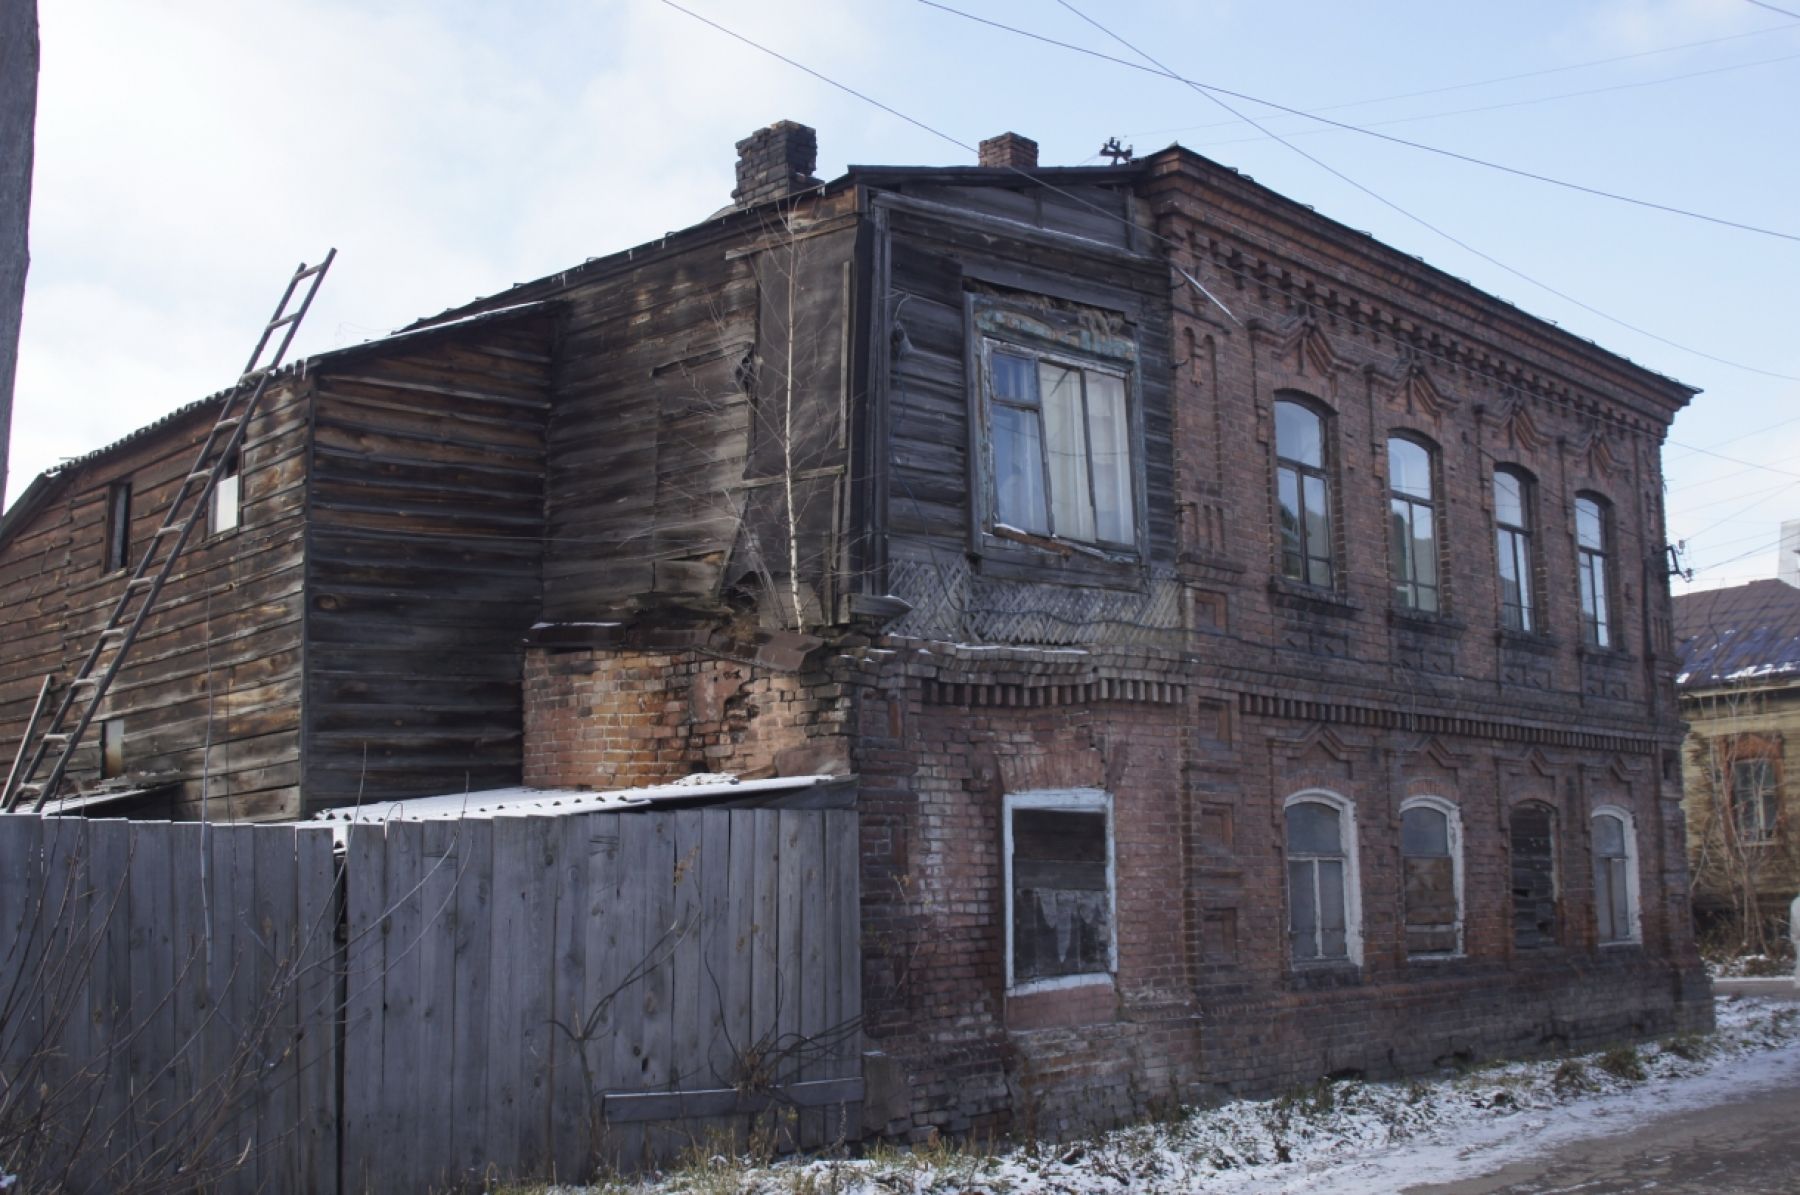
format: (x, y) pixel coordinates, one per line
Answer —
(1060, 448)
(1512, 548)
(1303, 491)
(1413, 525)
(1592, 532)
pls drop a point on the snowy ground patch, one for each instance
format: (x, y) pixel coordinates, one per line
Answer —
(1349, 1138)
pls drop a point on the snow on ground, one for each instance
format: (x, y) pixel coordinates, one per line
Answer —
(1348, 1138)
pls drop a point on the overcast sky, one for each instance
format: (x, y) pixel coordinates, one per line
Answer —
(190, 154)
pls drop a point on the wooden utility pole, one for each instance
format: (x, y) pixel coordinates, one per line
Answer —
(18, 121)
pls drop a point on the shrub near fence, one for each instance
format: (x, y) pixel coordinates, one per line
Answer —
(503, 997)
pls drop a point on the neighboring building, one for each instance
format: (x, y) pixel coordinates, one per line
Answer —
(1740, 693)
(1252, 645)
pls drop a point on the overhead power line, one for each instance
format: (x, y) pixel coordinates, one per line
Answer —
(1551, 70)
(1213, 91)
(1784, 12)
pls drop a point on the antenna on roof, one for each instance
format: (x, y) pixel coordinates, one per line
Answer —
(1119, 154)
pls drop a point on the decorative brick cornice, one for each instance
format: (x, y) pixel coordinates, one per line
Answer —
(1348, 714)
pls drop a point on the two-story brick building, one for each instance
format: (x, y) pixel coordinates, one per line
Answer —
(1252, 645)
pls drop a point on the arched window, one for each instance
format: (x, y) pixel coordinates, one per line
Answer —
(1324, 909)
(1412, 525)
(1615, 875)
(1431, 862)
(1534, 888)
(1512, 548)
(1303, 489)
(1593, 535)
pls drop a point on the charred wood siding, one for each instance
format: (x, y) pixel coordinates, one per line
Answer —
(668, 443)
(210, 691)
(423, 565)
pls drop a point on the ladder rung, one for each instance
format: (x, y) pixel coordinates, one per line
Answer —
(169, 529)
(229, 421)
(139, 583)
(284, 321)
(309, 271)
(84, 680)
(57, 736)
(198, 473)
(113, 633)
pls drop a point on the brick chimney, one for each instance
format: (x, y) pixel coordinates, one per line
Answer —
(775, 162)
(1009, 149)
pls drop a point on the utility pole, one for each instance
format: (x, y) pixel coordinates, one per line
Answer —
(18, 122)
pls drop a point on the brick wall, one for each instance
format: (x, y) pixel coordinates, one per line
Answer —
(617, 719)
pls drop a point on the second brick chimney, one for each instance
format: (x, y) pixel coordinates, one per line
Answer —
(775, 162)
(1009, 149)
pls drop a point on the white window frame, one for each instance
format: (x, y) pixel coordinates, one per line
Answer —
(225, 511)
(1353, 927)
(1081, 800)
(1631, 872)
(1453, 820)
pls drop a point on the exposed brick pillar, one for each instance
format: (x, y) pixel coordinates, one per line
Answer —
(1010, 149)
(775, 162)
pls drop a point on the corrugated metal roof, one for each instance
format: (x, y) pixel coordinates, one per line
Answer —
(1741, 633)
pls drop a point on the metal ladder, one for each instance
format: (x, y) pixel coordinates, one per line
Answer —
(88, 689)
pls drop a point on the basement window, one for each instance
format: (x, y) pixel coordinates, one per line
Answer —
(1059, 889)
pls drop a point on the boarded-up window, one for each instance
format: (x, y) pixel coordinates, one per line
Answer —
(1427, 849)
(118, 526)
(1060, 886)
(1614, 863)
(1533, 875)
(1318, 912)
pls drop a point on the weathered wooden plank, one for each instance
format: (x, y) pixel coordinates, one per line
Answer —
(567, 1100)
(474, 941)
(111, 847)
(628, 952)
(807, 833)
(238, 980)
(603, 976)
(63, 978)
(512, 968)
(735, 954)
(365, 965)
(401, 984)
(843, 913)
(318, 897)
(536, 964)
(191, 999)
(687, 1052)
(152, 982)
(277, 1117)
(434, 1009)
(665, 935)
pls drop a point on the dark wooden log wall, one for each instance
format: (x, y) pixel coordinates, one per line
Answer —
(933, 255)
(666, 455)
(424, 564)
(210, 690)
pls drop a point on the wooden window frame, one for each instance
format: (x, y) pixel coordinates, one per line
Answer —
(227, 497)
(1348, 853)
(1073, 800)
(1756, 749)
(1453, 831)
(116, 549)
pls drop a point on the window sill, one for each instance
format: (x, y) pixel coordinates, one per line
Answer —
(1060, 983)
(1429, 624)
(1018, 555)
(1433, 960)
(1627, 944)
(1325, 975)
(1297, 595)
(1535, 642)
(1616, 657)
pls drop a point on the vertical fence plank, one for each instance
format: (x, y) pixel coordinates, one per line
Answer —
(814, 971)
(713, 1060)
(765, 949)
(469, 1014)
(662, 938)
(537, 963)
(318, 903)
(237, 969)
(112, 851)
(736, 1053)
(790, 956)
(686, 1059)
(62, 983)
(843, 906)
(602, 996)
(365, 962)
(402, 927)
(152, 981)
(628, 949)
(277, 1119)
(430, 1106)
(196, 1098)
(505, 1063)
(568, 1103)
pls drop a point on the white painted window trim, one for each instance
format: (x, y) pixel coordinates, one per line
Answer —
(1453, 818)
(1076, 799)
(1631, 871)
(1353, 929)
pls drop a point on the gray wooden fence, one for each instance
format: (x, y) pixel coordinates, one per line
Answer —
(442, 1003)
